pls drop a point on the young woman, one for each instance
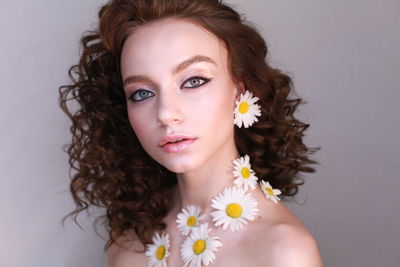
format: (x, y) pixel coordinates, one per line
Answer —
(187, 137)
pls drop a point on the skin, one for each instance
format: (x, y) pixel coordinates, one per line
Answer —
(175, 104)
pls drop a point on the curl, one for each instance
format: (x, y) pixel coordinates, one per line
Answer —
(109, 167)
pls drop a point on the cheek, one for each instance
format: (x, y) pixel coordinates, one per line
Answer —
(216, 111)
(139, 124)
(223, 104)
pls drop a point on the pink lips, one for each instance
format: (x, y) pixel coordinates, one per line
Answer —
(169, 145)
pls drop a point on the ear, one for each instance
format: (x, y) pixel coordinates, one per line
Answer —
(240, 89)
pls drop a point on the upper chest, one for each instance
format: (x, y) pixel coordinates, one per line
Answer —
(241, 248)
(230, 256)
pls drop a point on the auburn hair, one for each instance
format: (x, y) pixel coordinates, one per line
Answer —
(110, 169)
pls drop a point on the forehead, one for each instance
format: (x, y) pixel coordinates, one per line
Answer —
(168, 42)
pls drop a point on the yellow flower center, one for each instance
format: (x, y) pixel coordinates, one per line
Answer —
(269, 190)
(245, 172)
(243, 107)
(234, 210)
(191, 221)
(160, 253)
(199, 246)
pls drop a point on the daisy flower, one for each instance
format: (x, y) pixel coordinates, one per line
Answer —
(269, 192)
(234, 208)
(187, 219)
(158, 252)
(199, 247)
(245, 176)
(246, 110)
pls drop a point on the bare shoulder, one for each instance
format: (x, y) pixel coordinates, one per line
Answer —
(128, 252)
(287, 242)
(294, 246)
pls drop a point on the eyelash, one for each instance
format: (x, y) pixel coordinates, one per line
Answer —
(205, 80)
(132, 96)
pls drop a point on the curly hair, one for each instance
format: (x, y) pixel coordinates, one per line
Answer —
(109, 167)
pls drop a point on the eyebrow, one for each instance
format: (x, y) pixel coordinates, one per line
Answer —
(198, 58)
(137, 78)
(178, 68)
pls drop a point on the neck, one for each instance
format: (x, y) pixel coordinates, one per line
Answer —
(200, 185)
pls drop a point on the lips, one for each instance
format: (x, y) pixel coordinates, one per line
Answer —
(176, 143)
(173, 139)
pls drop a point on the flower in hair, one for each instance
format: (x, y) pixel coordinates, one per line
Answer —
(245, 176)
(269, 192)
(246, 111)
(199, 247)
(158, 252)
(188, 219)
(234, 207)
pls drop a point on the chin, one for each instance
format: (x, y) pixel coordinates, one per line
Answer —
(178, 168)
(180, 165)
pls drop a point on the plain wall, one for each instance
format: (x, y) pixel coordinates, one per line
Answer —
(344, 59)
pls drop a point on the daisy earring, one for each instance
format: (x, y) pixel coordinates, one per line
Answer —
(246, 111)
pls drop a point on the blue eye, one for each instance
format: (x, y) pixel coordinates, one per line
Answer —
(195, 81)
(140, 95)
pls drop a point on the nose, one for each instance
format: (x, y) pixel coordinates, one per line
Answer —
(169, 109)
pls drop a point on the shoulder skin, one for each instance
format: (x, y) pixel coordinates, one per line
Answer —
(128, 254)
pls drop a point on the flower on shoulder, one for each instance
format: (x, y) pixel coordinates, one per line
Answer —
(234, 207)
(269, 192)
(189, 218)
(158, 252)
(245, 176)
(246, 111)
(199, 247)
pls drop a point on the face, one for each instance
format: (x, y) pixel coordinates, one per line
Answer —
(178, 86)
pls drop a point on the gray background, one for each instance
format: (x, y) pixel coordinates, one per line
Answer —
(345, 61)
